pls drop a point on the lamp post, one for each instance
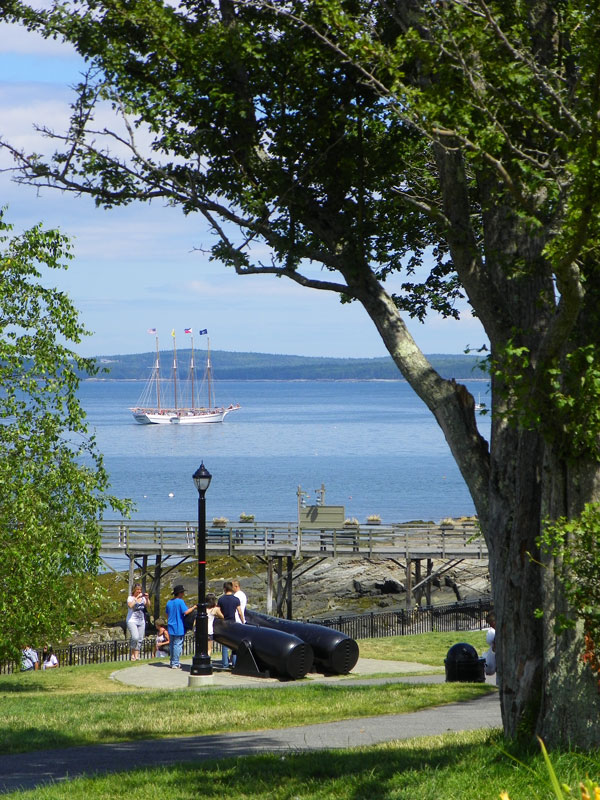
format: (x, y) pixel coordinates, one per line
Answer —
(201, 665)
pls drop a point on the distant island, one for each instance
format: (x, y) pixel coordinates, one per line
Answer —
(229, 366)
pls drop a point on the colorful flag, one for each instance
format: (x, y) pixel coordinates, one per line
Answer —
(201, 333)
(151, 330)
(188, 330)
(173, 333)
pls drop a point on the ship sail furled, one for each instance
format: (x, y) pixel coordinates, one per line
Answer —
(175, 401)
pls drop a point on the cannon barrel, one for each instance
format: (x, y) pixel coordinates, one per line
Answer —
(267, 649)
(333, 650)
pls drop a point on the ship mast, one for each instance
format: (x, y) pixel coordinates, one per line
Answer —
(208, 375)
(192, 373)
(174, 369)
(157, 376)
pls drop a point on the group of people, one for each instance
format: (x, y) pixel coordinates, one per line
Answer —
(31, 661)
(180, 618)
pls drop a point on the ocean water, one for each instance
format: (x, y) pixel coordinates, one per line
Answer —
(373, 444)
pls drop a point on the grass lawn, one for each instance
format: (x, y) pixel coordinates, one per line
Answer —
(467, 766)
(425, 648)
(82, 705)
(32, 721)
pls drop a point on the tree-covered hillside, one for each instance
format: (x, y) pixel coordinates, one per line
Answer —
(265, 366)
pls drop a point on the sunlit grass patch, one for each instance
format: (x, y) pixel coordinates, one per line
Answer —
(466, 766)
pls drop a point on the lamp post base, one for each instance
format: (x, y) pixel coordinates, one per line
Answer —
(198, 681)
(201, 666)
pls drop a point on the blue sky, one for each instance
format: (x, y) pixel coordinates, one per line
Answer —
(140, 267)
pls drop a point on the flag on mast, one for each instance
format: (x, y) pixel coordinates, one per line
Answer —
(201, 333)
(151, 330)
(188, 330)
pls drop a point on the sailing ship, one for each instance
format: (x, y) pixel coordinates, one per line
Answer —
(174, 402)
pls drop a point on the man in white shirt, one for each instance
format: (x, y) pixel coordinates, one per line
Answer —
(237, 592)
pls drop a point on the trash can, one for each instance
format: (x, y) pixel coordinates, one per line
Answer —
(463, 664)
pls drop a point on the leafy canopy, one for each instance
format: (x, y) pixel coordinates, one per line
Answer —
(52, 480)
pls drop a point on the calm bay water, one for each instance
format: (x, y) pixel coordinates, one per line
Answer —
(373, 444)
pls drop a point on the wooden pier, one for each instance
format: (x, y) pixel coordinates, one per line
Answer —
(267, 539)
(283, 546)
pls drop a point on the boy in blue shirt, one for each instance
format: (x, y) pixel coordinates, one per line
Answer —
(176, 611)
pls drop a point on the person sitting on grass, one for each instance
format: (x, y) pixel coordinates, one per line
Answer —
(49, 660)
(29, 658)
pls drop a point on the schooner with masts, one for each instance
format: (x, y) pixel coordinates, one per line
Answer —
(165, 402)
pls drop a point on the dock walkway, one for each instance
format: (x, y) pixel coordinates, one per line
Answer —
(268, 539)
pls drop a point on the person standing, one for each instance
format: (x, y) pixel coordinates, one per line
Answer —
(241, 596)
(212, 611)
(136, 618)
(229, 605)
(176, 612)
(490, 638)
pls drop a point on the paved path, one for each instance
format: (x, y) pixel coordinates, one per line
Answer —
(28, 770)
(158, 675)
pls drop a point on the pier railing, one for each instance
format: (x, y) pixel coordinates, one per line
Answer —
(417, 540)
(465, 616)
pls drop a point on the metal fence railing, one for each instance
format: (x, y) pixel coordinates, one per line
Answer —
(424, 619)
(376, 624)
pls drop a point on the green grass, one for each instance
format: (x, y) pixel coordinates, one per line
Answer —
(37, 720)
(424, 648)
(467, 766)
(83, 705)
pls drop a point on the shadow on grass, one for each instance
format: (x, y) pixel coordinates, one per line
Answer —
(26, 687)
(474, 766)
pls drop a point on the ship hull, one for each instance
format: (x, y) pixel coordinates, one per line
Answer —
(182, 416)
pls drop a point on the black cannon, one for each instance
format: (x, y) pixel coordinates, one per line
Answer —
(263, 651)
(333, 651)
(463, 664)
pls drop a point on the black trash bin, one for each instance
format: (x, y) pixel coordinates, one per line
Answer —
(463, 664)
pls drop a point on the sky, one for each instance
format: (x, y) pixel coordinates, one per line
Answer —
(143, 266)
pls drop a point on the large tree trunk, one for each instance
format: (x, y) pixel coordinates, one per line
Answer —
(545, 687)
(570, 710)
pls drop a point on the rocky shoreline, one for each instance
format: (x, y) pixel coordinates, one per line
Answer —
(327, 588)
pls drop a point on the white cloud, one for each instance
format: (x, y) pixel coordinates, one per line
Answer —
(16, 39)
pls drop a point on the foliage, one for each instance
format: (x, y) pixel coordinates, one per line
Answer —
(52, 480)
(588, 789)
(404, 156)
(575, 544)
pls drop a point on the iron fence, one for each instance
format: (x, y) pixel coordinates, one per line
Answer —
(376, 624)
(423, 619)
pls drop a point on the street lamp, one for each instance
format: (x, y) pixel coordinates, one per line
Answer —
(201, 664)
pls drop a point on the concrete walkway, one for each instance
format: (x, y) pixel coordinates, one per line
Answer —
(28, 770)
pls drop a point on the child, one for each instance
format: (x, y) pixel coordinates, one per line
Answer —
(161, 645)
